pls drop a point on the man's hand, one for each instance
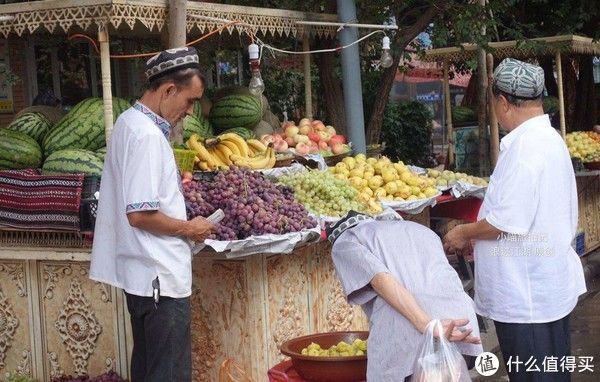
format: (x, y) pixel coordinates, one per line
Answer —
(456, 241)
(453, 334)
(198, 229)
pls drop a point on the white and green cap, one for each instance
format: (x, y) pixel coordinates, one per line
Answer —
(519, 79)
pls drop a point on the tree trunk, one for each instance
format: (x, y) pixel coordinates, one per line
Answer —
(470, 98)
(177, 35)
(400, 41)
(585, 108)
(332, 88)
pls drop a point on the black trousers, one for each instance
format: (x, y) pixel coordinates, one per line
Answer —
(162, 350)
(534, 343)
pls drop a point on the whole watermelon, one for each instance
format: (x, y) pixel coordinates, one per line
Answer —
(235, 111)
(82, 127)
(73, 161)
(194, 125)
(34, 124)
(18, 150)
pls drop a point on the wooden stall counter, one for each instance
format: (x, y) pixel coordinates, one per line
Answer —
(55, 320)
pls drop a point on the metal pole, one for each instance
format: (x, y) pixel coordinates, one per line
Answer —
(351, 78)
(561, 96)
(307, 78)
(482, 106)
(494, 133)
(448, 105)
(106, 82)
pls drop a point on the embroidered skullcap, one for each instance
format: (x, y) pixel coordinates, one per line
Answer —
(171, 60)
(519, 78)
(350, 220)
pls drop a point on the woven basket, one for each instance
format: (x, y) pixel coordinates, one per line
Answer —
(184, 159)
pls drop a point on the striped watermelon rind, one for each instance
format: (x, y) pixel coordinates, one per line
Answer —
(194, 125)
(101, 153)
(18, 150)
(235, 111)
(34, 124)
(82, 127)
(73, 161)
(242, 132)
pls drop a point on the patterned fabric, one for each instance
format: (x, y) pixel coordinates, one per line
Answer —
(350, 220)
(159, 121)
(519, 78)
(170, 60)
(38, 202)
(142, 206)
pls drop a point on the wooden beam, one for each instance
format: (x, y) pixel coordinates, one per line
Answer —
(561, 95)
(177, 39)
(307, 78)
(106, 81)
(494, 132)
(450, 159)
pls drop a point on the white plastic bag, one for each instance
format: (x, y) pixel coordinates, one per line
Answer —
(439, 360)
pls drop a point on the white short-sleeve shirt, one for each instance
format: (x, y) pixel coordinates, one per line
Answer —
(531, 274)
(140, 174)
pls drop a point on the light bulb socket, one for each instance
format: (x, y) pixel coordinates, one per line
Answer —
(385, 43)
(253, 51)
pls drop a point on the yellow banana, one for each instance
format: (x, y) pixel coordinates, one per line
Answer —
(224, 153)
(256, 145)
(238, 141)
(254, 163)
(196, 159)
(271, 156)
(202, 165)
(203, 153)
(231, 146)
(217, 158)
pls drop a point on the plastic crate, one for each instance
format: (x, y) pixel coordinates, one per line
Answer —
(184, 159)
(89, 203)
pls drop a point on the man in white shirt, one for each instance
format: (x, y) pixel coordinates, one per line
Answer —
(141, 237)
(527, 276)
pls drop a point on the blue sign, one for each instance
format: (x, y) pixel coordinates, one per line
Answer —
(431, 97)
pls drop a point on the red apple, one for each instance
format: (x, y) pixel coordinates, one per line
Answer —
(314, 137)
(324, 136)
(290, 141)
(291, 131)
(304, 121)
(280, 146)
(305, 129)
(278, 137)
(323, 145)
(285, 125)
(301, 138)
(302, 148)
(319, 126)
(338, 148)
(337, 139)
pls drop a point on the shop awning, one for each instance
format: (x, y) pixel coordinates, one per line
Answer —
(546, 46)
(61, 15)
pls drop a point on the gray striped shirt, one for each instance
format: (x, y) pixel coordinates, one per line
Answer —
(414, 255)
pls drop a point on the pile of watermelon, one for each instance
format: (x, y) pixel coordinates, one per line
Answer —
(77, 143)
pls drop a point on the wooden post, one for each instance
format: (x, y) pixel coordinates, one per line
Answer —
(494, 133)
(307, 78)
(177, 37)
(561, 95)
(448, 104)
(106, 82)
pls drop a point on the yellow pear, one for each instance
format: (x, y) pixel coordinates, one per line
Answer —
(430, 191)
(357, 172)
(341, 176)
(415, 190)
(400, 167)
(341, 165)
(344, 172)
(389, 174)
(379, 167)
(371, 161)
(367, 175)
(350, 162)
(356, 181)
(375, 182)
(379, 193)
(412, 197)
(390, 188)
(367, 191)
(405, 176)
(361, 157)
(422, 196)
(413, 181)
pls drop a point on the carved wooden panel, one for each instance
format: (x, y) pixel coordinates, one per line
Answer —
(588, 189)
(77, 319)
(288, 313)
(330, 311)
(15, 338)
(220, 317)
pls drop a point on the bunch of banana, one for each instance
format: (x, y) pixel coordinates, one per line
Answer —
(230, 149)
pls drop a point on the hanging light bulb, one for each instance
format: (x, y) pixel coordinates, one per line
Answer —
(386, 59)
(256, 85)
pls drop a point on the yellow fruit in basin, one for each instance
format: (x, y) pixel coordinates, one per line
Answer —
(391, 188)
(379, 193)
(357, 172)
(361, 157)
(375, 182)
(350, 162)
